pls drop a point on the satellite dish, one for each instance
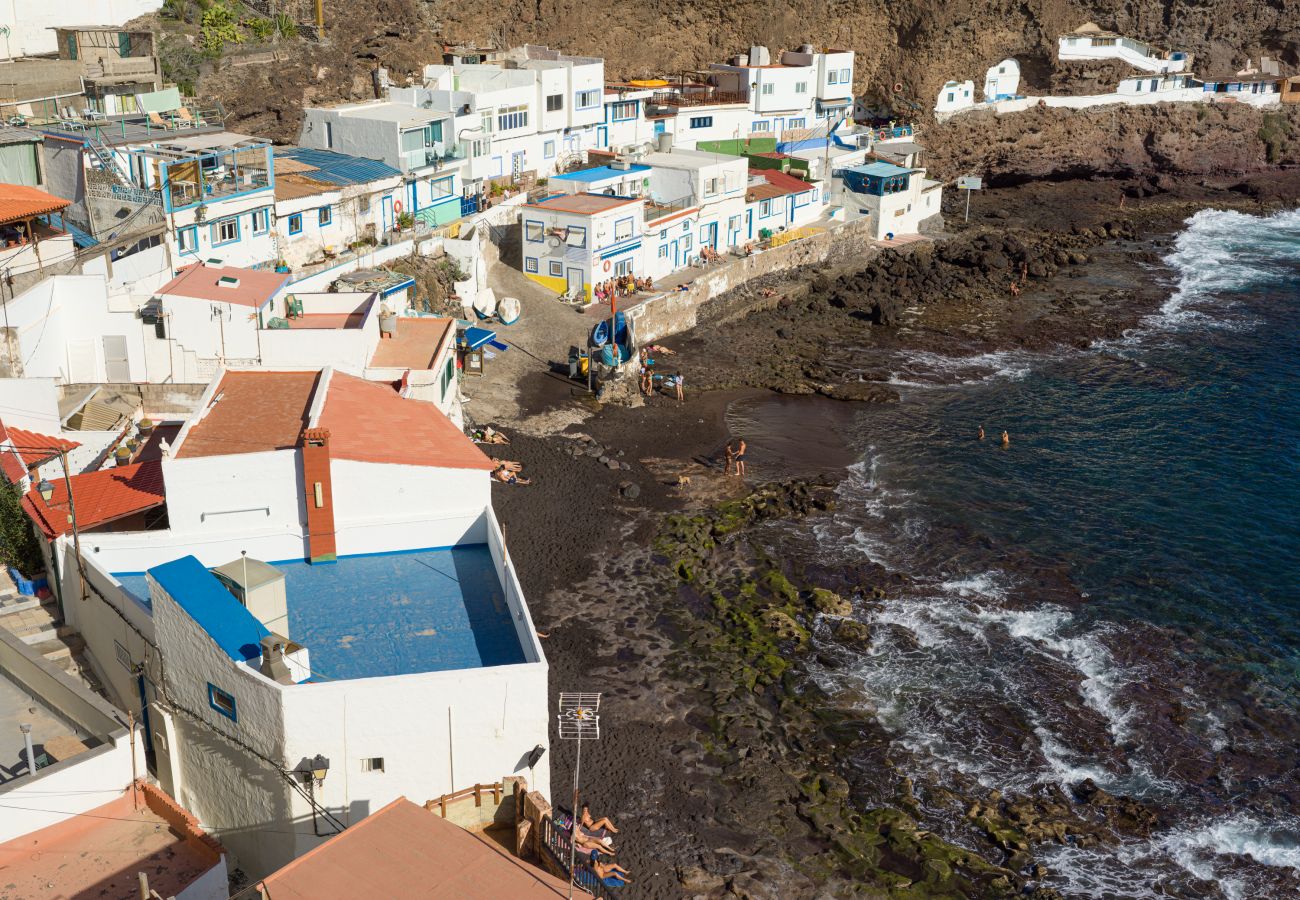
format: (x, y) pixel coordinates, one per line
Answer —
(553, 241)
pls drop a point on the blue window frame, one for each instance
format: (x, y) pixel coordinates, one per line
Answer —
(702, 121)
(556, 268)
(548, 150)
(623, 110)
(534, 232)
(765, 209)
(762, 125)
(188, 239)
(795, 123)
(530, 264)
(224, 231)
(325, 215)
(663, 251)
(295, 223)
(223, 702)
(577, 236)
(686, 226)
(833, 77)
(261, 221)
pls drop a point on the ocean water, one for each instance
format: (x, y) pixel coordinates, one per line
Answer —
(1117, 595)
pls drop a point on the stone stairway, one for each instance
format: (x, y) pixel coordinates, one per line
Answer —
(37, 623)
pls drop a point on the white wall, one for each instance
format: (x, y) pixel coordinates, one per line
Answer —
(250, 250)
(1135, 53)
(1002, 79)
(29, 24)
(955, 96)
(30, 403)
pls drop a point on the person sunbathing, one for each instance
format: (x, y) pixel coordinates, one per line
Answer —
(510, 465)
(611, 874)
(591, 824)
(505, 476)
(492, 436)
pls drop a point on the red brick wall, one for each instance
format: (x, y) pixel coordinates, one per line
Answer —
(321, 545)
(164, 807)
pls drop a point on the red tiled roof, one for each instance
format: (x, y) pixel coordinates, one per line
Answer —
(13, 470)
(789, 183)
(100, 497)
(367, 421)
(252, 412)
(405, 851)
(37, 448)
(416, 344)
(200, 282)
(18, 202)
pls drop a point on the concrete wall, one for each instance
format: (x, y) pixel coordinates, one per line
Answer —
(31, 403)
(80, 783)
(675, 312)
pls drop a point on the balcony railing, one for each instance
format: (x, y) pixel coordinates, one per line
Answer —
(555, 844)
(696, 97)
(658, 209)
(438, 155)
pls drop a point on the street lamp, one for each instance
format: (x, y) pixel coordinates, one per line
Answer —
(45, 489)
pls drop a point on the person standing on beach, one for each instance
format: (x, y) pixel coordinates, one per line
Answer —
(731, 457)
(678, 384)
(740, 457)
(1006, 441)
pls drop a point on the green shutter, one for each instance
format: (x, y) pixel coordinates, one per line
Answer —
(72, 46)
(123, 44)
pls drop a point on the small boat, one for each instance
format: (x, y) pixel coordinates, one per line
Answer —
(485, 305)
(508, 310)
(600, 334)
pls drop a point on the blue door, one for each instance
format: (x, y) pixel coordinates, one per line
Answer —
(677, 255)
(387, 212)
(749, 224)
(659, 126)
(602, 136)
(709, 235)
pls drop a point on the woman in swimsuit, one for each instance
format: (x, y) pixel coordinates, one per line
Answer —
(611, 874)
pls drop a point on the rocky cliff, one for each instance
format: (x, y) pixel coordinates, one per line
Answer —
(913, 44)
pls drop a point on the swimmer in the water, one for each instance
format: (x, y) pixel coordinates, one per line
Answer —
(981, 432)
(1006, 440)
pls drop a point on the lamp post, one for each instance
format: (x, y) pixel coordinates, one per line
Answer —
(578, 721)
(313, 772)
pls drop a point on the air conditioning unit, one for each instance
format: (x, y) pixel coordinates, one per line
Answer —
(621, 164)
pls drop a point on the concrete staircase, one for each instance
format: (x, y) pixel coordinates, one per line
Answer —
(37, 623)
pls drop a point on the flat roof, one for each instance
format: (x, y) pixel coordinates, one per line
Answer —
(431, 610)
(880, 170)
(687, 159)
(600, 173)
(52, 734)
(252, 412)
(583, 204)
(404, 850)
(403, 114)
(207, 601)
(416, 344)
(226, 284)
(99, 853)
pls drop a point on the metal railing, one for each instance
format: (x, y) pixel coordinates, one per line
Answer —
(658, 209)
(701, 97)
(555, 844)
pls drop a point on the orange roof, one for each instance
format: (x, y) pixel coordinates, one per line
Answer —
(789, 183)
(19, 202)
(37, 448)
(201, 282)
(100, 497)
(370, 422)
(415, 345)
(252, 412)
(405, 851)
(13, 470)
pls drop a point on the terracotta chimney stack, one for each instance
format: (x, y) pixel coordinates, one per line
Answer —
(319, 495)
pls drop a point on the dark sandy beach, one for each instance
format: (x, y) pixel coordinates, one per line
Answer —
(718, 759)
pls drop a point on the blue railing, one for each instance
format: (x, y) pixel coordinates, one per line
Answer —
(468, 206)
(555, 843)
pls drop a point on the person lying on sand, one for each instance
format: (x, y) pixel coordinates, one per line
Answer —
(611, 874)
(594, 846)
(596, 824)
(505, 476)
(490, 435)
(510, 465)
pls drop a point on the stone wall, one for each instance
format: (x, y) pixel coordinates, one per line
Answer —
(673, 313)
(177, 400)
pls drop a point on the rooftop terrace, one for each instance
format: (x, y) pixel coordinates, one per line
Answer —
(54, 738)
(383, 614)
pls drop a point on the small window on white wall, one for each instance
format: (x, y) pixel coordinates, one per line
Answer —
(372, 764)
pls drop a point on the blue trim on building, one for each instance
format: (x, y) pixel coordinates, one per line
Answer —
(333, 167)
(233, 713)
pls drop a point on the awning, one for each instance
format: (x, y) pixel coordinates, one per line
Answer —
(473, 338)
(833, 104)
(159, 101)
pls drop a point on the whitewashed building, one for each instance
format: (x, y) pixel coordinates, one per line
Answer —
(572, 242)
(897, 200)
(1002, 80)
(713, 184)
(308, 489)
(1089, 42)
(954, 97)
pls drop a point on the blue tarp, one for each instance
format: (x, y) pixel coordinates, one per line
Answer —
(197, 591)
(473, 337)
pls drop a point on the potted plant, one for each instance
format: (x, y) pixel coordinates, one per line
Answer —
(405, 221)
(281, 267)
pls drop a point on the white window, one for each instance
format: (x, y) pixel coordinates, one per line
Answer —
(765, 209)
(588, 99)
(832, 77)
(329, 135)
(548, 150)
(225, 231)
(372, 764)
(486, 120)
(533, 232)
(762, 125)
(187, 239)
(622, 229)
(577, 236)
(623, 267)
(846, 75)
(801, 87)
(768, 88)
(712, 186)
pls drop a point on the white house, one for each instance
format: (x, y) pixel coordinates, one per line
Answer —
(1089, 42)
(329, 488)
(572, 242)
(954, 97)
(798, 97)
(714, 184)
(776, 201)
(326, 202)
(1002, 80)
(896, 199)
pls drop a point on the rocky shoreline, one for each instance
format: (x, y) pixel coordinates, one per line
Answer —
(729, 769)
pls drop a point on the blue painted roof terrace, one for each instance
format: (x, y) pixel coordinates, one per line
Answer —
(197, 591)
(338, 168)
(880, 170)
(600, 173)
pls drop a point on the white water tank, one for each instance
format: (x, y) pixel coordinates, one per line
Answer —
(664, 142)
(759, 56)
